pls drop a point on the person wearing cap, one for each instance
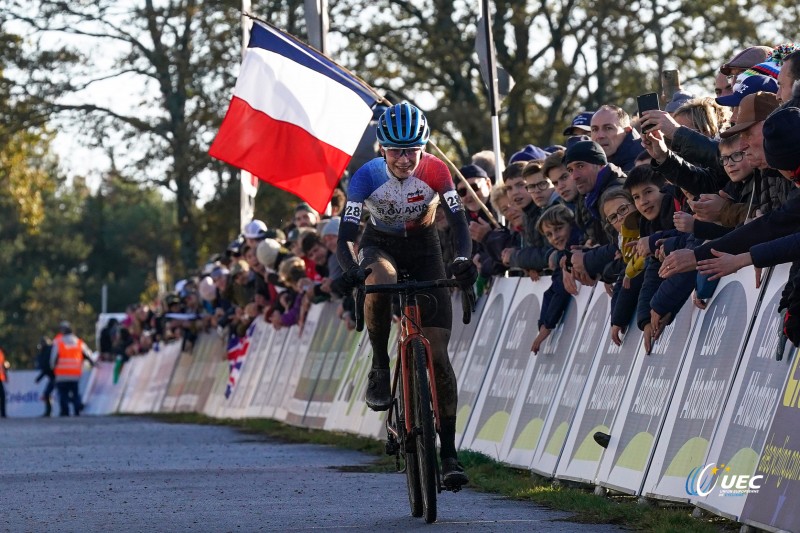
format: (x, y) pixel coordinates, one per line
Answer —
(305, 216)
(612, 131)
(478, 180)
(256, 279)
(745, 59)
(66, 360)
(581, 124)
(254, 232)
(593, 175)
(750, 85)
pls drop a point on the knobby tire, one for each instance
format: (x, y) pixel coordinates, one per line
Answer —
(425, 431)
(412, 465)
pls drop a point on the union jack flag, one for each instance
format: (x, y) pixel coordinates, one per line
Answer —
(237, 351)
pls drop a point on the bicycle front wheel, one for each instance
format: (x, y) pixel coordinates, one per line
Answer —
(410, 456)
(425, 431)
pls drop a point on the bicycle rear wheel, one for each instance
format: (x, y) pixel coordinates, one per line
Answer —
(425, 435)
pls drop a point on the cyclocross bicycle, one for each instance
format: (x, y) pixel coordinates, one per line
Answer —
(414, 392)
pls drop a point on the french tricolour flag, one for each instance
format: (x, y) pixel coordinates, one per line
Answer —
(296, 117)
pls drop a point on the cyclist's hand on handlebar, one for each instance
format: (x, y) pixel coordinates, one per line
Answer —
(465, 272)
(355, 276)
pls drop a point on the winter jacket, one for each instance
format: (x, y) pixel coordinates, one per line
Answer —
(628, 151)
(697, 149)
(533, 255)
(695, 179)
(495, 242)
(773, 225)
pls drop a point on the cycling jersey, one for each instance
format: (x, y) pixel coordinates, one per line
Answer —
(401, 208)
(398, 206)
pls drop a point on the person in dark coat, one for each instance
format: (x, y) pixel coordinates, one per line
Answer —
(593, 175)
(43, 351)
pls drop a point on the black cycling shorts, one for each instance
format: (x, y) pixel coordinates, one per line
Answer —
(419, 255)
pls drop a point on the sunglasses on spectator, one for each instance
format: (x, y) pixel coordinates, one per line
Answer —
(397, 153)
(462, 191)
(541, 186)
(735, 157)
(619, 214)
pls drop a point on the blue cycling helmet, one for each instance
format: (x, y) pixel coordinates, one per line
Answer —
(403, 126)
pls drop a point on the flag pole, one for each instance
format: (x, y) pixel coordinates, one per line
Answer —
(493, 95)
(247, 196)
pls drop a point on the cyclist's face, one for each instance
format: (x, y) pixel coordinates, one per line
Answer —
(402, 162)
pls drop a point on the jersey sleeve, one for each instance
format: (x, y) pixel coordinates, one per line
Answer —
(442, 183)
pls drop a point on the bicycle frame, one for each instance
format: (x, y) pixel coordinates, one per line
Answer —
(410, 321)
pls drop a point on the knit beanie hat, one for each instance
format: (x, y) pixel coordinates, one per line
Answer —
(587, 152)
(781, 139)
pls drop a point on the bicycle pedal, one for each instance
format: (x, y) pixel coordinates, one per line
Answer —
(391, 447)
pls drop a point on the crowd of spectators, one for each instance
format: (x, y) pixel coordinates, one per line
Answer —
(654, 206)
(627, 191)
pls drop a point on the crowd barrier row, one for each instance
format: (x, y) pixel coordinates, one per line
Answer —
(709, 418)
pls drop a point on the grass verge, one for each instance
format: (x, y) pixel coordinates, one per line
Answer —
(488, 475)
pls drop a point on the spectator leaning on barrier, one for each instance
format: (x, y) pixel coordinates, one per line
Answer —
(490, 262)
(532, 257)
(593, 175)
(557, 225)
(66, 359)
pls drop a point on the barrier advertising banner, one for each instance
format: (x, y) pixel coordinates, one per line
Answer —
(343, 349)
(297, 351)
(250, 372)
(772, 499)
(702, 389)
(540, 382)
(537, 442)
(23, 395)
(103, 395)
(511, 362)
(179, 378)
(476, 363)
(644, 406)
(754, 397)
(598, 407)
(318, 350)
(461, 343)
(260, 404)
(347, 409)
(163, 362)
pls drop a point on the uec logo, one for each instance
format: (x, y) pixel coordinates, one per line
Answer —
(702, 480)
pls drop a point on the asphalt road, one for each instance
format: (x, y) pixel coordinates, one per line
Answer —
(132, 474)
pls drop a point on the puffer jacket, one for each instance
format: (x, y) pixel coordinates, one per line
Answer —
(628, 151)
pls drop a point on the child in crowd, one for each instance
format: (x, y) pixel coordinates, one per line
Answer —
(658, 302)
(618, 208)
(557, 225)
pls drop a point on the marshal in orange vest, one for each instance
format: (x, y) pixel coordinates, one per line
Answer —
(70, 358)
